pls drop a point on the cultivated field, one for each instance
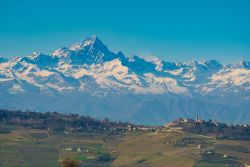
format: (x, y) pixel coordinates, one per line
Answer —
(37, 148)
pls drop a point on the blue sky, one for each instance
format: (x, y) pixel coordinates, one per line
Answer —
(176, 30)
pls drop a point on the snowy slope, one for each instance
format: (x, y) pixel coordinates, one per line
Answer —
(90, 69)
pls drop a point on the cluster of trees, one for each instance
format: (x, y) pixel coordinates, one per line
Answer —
(56, 122)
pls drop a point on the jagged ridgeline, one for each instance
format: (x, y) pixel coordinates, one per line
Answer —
(89, 79)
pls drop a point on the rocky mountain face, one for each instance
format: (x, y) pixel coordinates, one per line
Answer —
(89, 79)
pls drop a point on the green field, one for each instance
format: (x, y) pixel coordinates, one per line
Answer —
(36, 148)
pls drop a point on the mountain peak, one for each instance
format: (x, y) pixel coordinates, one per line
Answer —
(213, 64)
(90, 51)
(88, 42)
(91, 40)
(93, 37)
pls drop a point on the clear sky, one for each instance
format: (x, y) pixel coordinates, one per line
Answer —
(175, 30)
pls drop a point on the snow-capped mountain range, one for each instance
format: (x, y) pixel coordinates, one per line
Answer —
(88, 78)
